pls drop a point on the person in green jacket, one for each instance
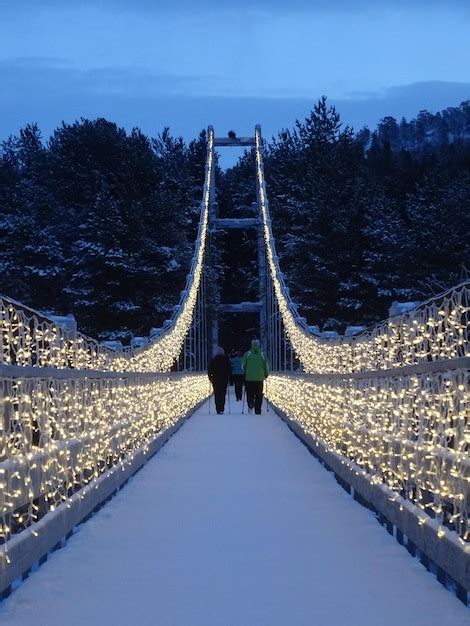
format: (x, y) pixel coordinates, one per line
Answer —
(255, 369)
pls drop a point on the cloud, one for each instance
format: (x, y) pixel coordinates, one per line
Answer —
(280, 55)
(40, 77)
(48, 91)
(402, 101)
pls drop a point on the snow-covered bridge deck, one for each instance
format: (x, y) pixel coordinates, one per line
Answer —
(232, 523)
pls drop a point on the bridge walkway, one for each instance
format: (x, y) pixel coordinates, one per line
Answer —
(232, 523)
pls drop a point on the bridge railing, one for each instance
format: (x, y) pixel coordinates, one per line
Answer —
(29, 338)
(69, 438)
(388, 411)
(77, 417)
(407, 428)
(436, 330)
(61, 429)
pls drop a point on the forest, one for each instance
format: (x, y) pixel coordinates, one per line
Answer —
(100, 222)
(364, 219)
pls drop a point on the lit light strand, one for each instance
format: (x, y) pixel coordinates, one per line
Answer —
(58, 433)
(436, 330)
(411, 433)
(30, 339)
(57, 436)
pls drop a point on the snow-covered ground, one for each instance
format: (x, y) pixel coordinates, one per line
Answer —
(232, 523)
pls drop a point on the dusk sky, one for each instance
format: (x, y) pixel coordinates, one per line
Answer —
(187, 64)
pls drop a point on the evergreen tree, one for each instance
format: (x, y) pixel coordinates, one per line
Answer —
(32, 258)
(92, 223)
(317, 203)
(101, 223)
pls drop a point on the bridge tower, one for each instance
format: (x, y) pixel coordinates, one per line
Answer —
(218, 224)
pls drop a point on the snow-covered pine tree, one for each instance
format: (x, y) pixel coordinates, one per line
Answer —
(32, 261)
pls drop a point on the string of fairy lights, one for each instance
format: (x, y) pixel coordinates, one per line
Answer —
(437, 330)
(409, 431)
(60, 434)
(73, 410)
(29, 339)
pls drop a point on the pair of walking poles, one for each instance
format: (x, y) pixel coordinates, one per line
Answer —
(227, 395)
(243, 399)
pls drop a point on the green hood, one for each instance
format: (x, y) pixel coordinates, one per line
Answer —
(255, 366)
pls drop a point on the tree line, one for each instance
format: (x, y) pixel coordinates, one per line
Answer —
(363, 219)
(101, 223)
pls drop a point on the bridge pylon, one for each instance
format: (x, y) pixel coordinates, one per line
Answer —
(218, 224)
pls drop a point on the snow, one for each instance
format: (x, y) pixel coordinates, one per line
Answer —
(400, 308)
(173, 265)
(232, 523)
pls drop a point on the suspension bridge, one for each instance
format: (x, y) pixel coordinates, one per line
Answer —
(240, 519)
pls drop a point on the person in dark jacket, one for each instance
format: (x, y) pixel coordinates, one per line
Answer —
(256, 370)
(219, 374)
(237, 374)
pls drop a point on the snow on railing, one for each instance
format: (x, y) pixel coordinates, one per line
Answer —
(438, 329)
(30, 338)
